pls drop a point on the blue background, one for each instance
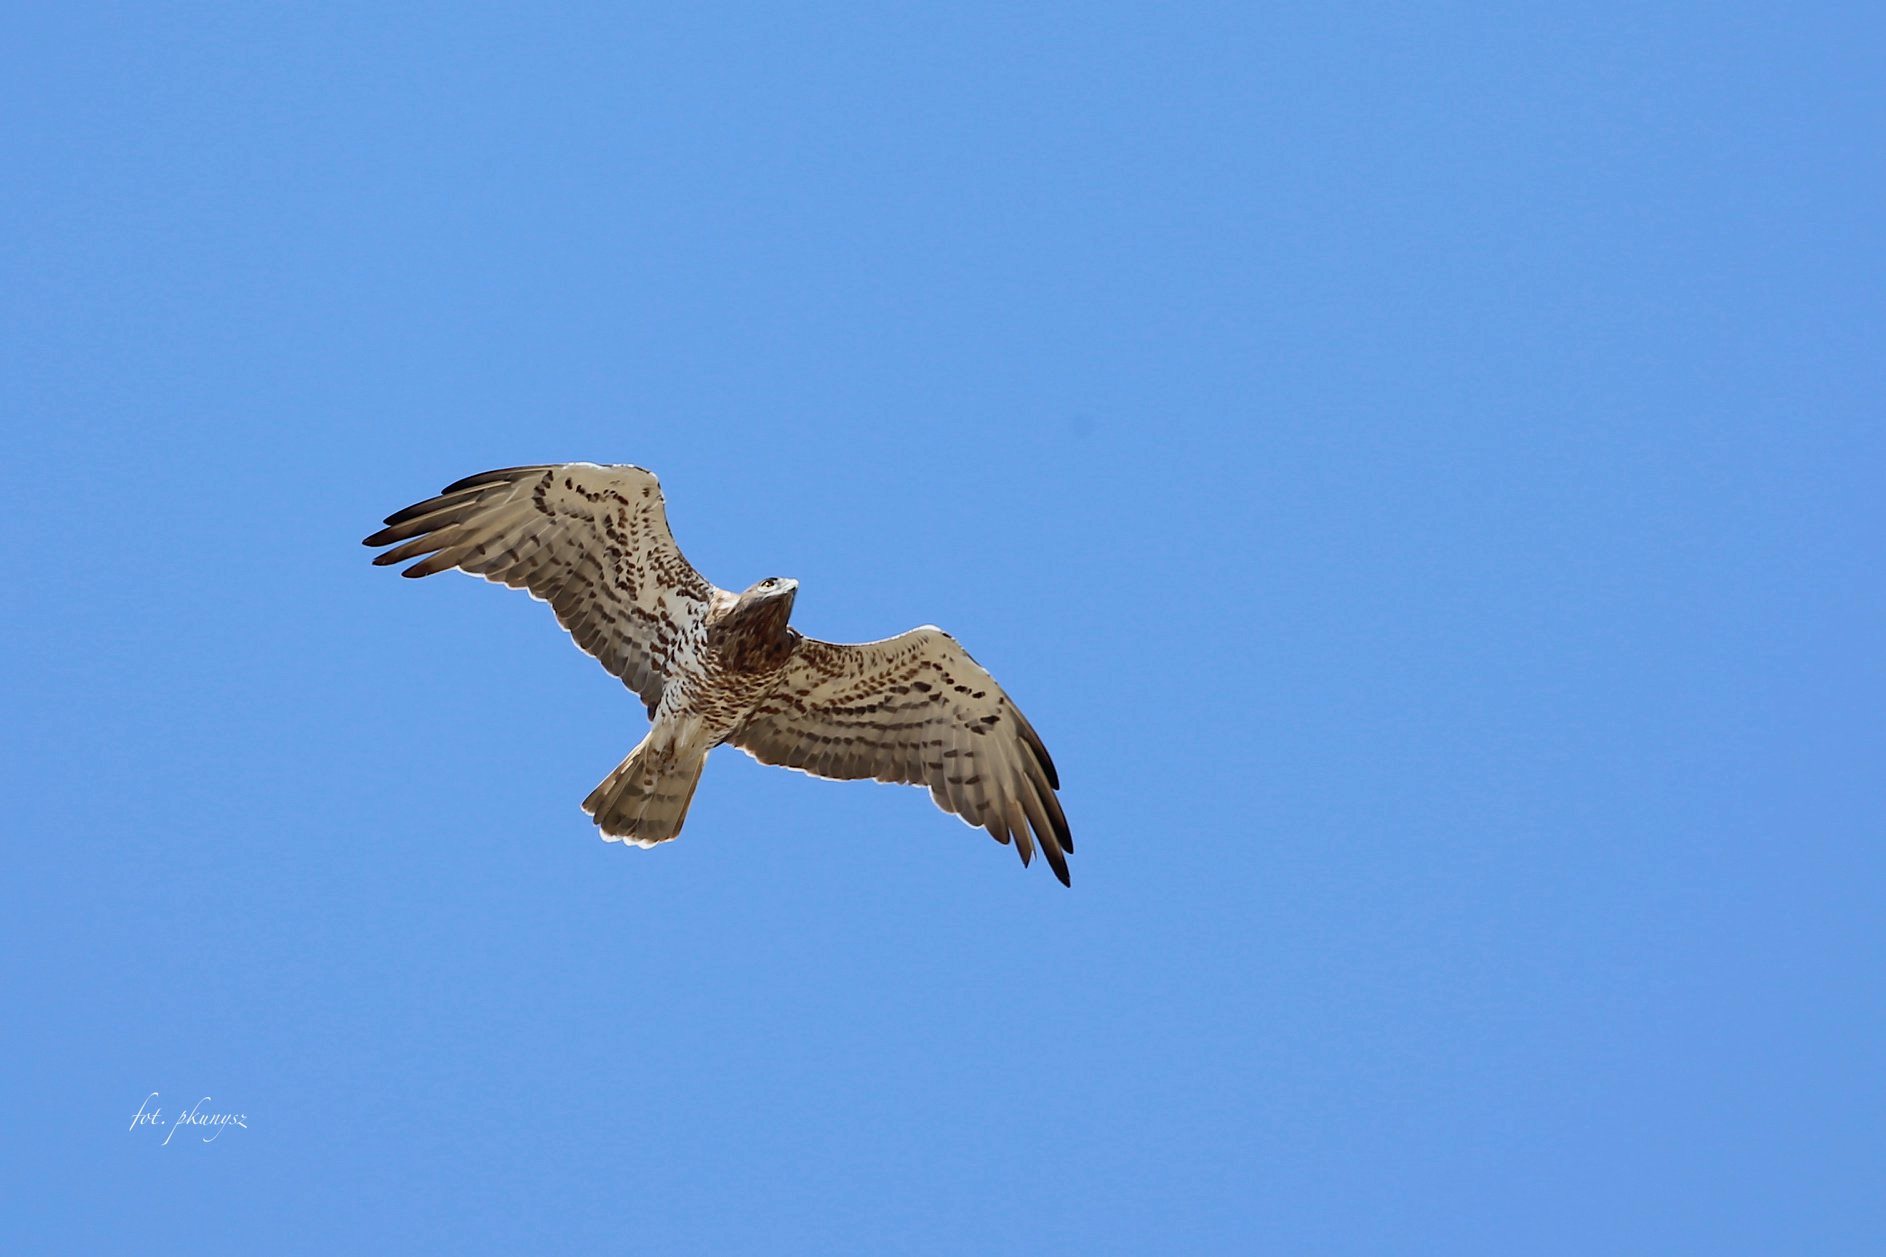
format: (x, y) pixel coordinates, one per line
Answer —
(1416, 468)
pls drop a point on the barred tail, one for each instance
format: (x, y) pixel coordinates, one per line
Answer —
(645, 800)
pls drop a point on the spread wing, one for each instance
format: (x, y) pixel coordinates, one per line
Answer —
(591, 541)
(916, 708)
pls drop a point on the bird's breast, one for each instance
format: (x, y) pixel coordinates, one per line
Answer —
(724, 684)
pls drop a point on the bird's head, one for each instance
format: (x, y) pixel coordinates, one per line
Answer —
(757, 619)
(773, 589)
(769, 600)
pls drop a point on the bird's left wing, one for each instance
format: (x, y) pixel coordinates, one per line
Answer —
(591, 541)
(915, 708)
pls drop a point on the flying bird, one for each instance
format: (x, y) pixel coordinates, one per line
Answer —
(713, 666)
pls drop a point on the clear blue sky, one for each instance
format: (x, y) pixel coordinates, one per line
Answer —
(1418, 470)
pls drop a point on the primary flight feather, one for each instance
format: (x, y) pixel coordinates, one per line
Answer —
(713, 666)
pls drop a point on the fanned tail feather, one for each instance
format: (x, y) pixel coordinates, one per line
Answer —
(645, 800)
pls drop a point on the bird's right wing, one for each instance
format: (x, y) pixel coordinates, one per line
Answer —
(915, 708)
(591, 541)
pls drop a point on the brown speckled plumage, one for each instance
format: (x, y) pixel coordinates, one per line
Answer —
(712, 666)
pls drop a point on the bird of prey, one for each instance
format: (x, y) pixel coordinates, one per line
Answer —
(713, 666)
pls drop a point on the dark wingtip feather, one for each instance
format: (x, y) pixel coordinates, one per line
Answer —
(1062, 834)
(426, 543)
(1053, 845)
(416, 510)
(440, 562)
(492, 477)
(1041, 754)
(1050, 826)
